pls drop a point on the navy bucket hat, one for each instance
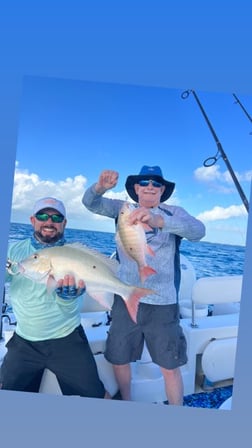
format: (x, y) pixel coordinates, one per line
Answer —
(149, 172)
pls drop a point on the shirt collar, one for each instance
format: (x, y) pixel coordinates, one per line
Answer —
(38, 245)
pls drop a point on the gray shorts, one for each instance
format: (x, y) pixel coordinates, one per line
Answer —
(157, 325)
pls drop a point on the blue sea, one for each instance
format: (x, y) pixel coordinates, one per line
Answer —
(208, 259)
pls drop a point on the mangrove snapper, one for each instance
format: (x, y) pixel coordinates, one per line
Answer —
(132, 239)
(98, 272)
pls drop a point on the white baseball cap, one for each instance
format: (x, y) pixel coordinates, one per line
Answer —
(49, 202)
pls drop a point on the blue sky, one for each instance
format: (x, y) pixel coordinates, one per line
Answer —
(69, 131)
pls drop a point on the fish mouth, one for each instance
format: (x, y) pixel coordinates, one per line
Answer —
(15, 268)
(21, 268)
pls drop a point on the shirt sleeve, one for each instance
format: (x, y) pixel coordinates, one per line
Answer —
(101, 205)
(181, 223)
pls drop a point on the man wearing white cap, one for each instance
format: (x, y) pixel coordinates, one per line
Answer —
(158, 314)
(49, 333)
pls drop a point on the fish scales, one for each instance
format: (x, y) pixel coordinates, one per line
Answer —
(132, 240)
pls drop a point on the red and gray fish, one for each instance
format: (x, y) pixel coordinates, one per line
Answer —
(98, 271)
(132, 240)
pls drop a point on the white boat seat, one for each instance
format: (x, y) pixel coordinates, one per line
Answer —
(218, 359)
(212, 290)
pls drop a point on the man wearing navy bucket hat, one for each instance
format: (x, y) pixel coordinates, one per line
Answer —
(149, 173)
(157, 320)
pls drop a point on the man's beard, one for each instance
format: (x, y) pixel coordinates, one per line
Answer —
(48, 239)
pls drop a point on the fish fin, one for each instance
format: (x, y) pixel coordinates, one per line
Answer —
(150, 251)
(77, 245)
(118, 239)
(105, 299)
(112, 263)
(51, 283)
(146, 226)
(145, 272)
(133, 301)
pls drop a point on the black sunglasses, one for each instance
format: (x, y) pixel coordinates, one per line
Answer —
(145, 182)
(54, 217)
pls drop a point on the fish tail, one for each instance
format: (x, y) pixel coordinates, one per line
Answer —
(145, 272)
(133, 301)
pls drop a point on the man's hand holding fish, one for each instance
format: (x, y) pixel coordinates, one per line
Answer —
(66, 288)
(145, 216)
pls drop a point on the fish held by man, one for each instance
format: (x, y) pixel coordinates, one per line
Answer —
(98, 272)
(132, 239)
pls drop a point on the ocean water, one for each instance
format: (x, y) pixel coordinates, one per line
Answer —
(208, 259)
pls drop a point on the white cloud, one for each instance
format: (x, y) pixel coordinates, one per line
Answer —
(208, 174)
(215, 179)
(28, 187)
(247, 176)
(219, 213)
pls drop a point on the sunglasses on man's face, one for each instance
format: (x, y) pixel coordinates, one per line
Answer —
(146, 182)
(54, 217)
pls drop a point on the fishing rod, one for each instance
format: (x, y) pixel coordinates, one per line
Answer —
(212, 160)
(237, 101)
